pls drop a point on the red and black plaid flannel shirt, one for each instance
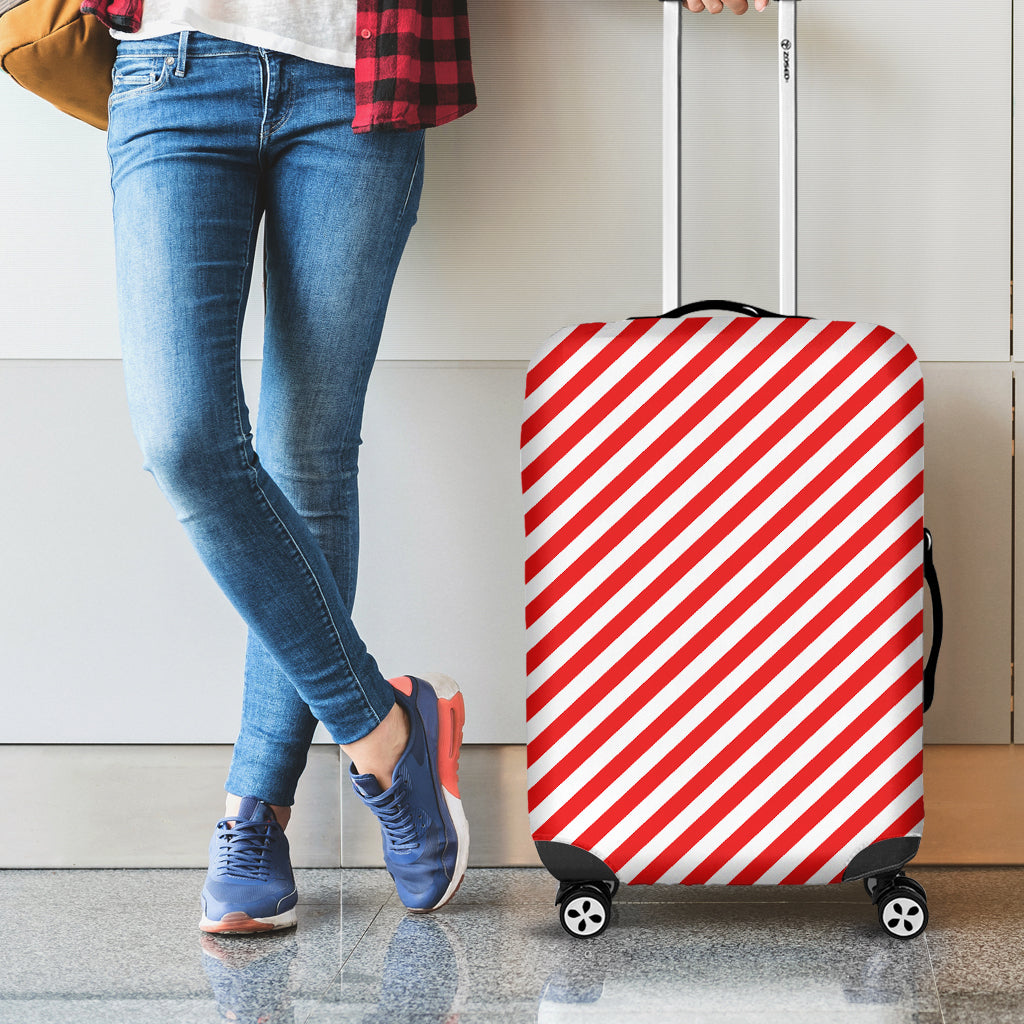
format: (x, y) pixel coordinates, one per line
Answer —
(413, 68)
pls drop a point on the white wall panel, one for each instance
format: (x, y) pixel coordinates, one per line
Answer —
(441, 563)
(968, 506)
(111, 630)
(541, 207)
(904, 167)
(56, 263)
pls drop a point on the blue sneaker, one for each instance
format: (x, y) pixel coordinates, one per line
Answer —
(250, 886)
(426, 836)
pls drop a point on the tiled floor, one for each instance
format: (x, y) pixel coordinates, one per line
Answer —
(122, 946)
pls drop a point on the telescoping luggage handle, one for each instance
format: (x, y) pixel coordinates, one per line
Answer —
(671, 141)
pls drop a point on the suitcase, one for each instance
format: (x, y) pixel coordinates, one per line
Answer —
(725, 571)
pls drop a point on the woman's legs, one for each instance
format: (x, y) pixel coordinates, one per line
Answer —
(195, 161)
(198, 153)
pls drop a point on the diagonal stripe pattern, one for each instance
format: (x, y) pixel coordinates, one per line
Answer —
(724, 592)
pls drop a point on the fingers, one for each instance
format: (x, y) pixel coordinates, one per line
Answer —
(717, 6)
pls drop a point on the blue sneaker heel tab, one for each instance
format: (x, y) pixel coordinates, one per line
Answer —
(253, 808)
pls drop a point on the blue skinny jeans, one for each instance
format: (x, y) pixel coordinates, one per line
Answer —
(207, 137)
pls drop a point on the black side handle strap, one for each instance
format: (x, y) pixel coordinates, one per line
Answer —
(932, 579)
(725, 304)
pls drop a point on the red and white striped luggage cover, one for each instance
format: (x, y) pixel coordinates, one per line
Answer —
(724, 523)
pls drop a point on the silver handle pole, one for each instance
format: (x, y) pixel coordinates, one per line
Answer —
(671, 184)
(671, 259)
(787, 157)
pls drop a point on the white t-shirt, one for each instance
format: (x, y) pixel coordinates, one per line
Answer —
(320, 30)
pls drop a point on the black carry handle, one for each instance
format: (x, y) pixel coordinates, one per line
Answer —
(932, 579)
(727, 304)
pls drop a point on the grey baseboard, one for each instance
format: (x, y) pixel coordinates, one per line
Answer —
(154, 806)
(140, 806)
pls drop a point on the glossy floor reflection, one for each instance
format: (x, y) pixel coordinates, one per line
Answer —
(122, 946)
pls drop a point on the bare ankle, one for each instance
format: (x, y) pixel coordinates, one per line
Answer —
(378, 752)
